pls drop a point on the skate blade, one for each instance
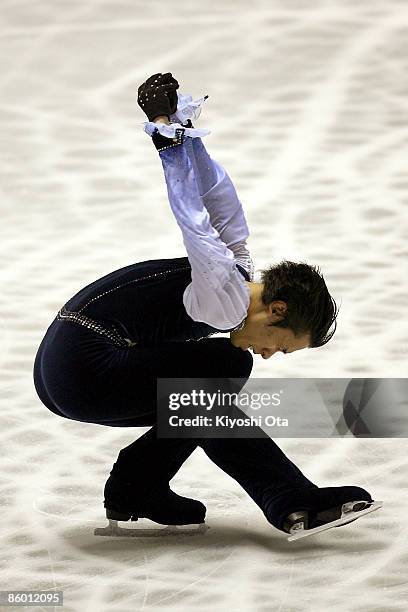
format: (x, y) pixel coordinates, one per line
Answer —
(113, 529)
(343, 520)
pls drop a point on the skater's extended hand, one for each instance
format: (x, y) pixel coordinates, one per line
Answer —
(158, 96)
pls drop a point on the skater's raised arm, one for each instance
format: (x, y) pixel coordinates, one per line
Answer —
(220, 199)
(218, 294)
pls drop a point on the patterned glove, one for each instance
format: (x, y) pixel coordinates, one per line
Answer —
(158, 96)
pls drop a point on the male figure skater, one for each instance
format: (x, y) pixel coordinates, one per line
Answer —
(101, 356)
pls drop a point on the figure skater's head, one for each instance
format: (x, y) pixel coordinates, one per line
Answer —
(290, 309)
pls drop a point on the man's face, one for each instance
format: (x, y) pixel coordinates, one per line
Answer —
(261, 333)
(274, 339)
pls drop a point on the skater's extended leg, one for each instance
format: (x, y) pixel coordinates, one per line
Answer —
(262, 469)
(276, 484)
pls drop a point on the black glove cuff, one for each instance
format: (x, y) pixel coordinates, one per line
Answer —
(161, 142)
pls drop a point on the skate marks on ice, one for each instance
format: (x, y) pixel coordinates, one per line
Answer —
(242, 560)
(150, 570)
(349, 513)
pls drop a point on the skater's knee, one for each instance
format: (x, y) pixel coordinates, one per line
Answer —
(248, 363)
(241, 363)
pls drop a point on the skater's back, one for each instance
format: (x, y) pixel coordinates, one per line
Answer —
(144, 301)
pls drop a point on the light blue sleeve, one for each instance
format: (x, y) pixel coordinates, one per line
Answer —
(222, 203)
(217, 294)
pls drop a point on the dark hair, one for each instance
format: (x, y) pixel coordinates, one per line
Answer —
(310, 307)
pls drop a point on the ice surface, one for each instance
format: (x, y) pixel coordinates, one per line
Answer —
(307, 108)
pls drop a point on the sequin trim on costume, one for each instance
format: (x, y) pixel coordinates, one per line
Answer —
(112, 334)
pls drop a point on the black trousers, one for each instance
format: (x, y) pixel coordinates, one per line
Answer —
(82, 376)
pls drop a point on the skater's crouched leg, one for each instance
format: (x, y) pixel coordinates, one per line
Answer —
(139, 480)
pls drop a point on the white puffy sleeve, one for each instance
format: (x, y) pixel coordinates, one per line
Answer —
(217, 294)
(220, 199)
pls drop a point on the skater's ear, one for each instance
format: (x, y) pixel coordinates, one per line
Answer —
(277, 310)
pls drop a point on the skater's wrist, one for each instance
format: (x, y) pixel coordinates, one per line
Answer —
(162, 119)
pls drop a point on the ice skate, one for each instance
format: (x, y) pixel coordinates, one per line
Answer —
(178, 515)
(315, 516)
(148, 529)
(347, 513)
